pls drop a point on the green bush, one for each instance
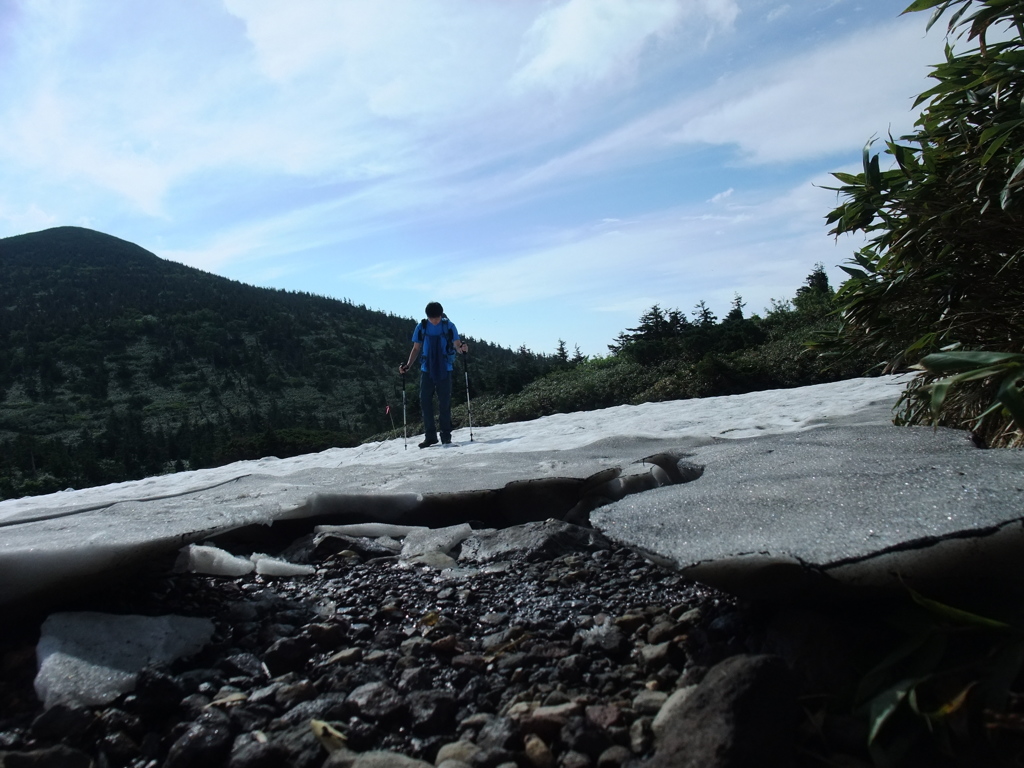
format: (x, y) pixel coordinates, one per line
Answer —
(942, 270)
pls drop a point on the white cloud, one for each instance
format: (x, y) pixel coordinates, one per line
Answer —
(754, 245)
(28, 219)
(583, 41)
(400, 59)
(824, 101)
(815, 104)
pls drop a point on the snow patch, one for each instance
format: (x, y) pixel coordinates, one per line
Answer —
(89, 659)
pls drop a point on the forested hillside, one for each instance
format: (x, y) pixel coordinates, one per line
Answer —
(116, 364)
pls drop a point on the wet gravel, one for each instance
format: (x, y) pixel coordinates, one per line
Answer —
(560, 659)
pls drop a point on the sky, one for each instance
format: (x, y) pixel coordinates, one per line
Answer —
(546, 169)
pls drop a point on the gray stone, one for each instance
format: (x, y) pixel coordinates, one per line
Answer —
(532, 541)
(382, 759)
(538, 752)
(59, 756)
(202, 745)
(288, 654)
(669, 711)
(743, 713)
(378, 701)
(574, 759)
(431, 712)
(499, 733)
(613, 757)
(248, 752)
(603, 638)
(640, 735)
(461, 751)
(656, 656)
(649, 702)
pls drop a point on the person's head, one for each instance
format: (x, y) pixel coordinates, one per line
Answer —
(434, 311)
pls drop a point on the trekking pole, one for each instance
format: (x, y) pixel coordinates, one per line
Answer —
(469, 405)
(405, 432)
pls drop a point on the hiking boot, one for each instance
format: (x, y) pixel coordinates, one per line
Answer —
(428, 442)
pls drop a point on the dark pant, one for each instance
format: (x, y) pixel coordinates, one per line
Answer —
(443, 389)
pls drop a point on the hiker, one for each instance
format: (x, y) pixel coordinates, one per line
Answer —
(439, 340)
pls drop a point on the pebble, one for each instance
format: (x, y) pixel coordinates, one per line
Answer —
(540, 661)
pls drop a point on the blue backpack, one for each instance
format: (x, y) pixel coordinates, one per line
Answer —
(439, 356)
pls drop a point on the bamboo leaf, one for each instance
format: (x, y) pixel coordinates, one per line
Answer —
(1011, 396)
(955, 614)
(945, 362)
(924, 5)
(885, 705)
(939, 390)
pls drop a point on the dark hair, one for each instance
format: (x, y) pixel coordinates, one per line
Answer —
(434, 309)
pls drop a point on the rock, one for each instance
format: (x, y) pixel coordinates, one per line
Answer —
(346, 656)
(604, 716)
(579, 735)
(538, 752)
(63, 723)
(631, 622)
(119, 747)
(641, 736)
(431, 712)
(531, 542)
(158, 693)
(649, 702)
(743, 713)
(614, 757)
(572, 759)
(288, 654)
(202, 745)
(657, 655)
(292, 694)
(381, 759)
(472, 661)
(669, 711)
(604, 638)
(247, 664)
(432, 541)
(301, 747)
(572, 668)
(461, 751)
(372, 759)
(59, 756)
(377, 701)
(327, 706)
(329, 635)
(548, 721)
(248, 752)
(499, 733)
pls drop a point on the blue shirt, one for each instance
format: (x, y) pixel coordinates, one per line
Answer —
(435, 335)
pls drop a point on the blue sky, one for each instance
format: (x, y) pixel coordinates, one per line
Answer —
(546, 169)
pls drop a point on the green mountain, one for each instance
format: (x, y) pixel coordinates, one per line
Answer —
(116, 364)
